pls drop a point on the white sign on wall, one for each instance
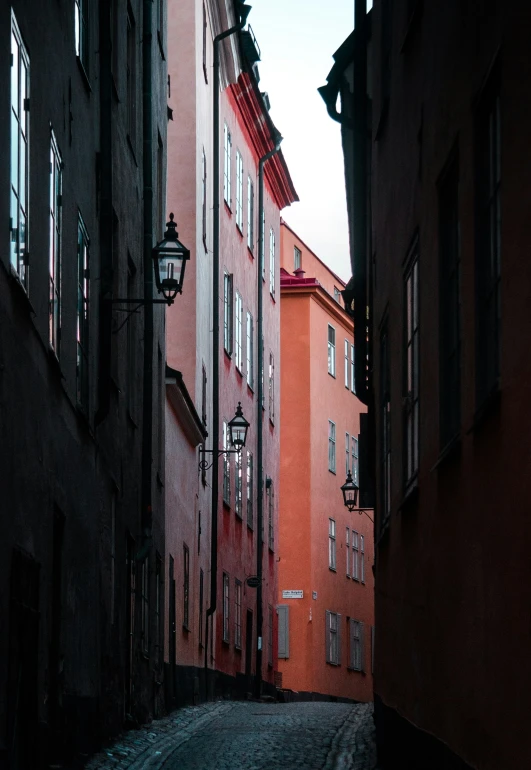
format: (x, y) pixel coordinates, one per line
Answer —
(292, 594)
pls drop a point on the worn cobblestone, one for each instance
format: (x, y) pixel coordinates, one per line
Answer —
(249, 736)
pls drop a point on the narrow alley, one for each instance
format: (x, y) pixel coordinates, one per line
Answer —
(249, 736)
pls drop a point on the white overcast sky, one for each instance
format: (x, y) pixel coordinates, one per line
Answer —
(297, 39)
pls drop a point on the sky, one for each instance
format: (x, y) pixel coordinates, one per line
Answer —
(297, 39)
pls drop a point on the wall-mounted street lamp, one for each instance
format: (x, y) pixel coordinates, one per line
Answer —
(350, 496)
(238, 428)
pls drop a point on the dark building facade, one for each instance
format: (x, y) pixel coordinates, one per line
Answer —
(441, 271)
(82, 198)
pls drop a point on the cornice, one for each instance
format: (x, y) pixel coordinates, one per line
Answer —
(311, 288)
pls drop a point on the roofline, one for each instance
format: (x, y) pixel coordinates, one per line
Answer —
(341, 281)
(312, 288)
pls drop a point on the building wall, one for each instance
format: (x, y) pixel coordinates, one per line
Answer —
(310, 398)
(437, 603)
(66, 468)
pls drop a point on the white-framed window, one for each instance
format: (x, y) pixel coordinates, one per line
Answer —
(238, 311)
(355, 556)
(204, 196)
(355, 459)
(19, 140)
(347, 364)
(347, 453)
(270, 494)
(362, 557)
(297, 261)
(186, 586)
(238, 614)
(250, 350)
(333, 637)
(81, 31)
(271, 387)
(226, 464)
(227, 312)
(331, 446)
(239, 191)
(355, 645)
(411, 399)
(337, 295)
(262, 246)
(352, 370)
(272, 262)
(347, 549)
(283, 631)
(55, 224)
(331, 544)
(82, 316)
(331, 350)
(250, 490)
(238, 485)
(227, 142)
(250, 213)
(226, 607)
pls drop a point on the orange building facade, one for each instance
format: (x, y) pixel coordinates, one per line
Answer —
(326, 588)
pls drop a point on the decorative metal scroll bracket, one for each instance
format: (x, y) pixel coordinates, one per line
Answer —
(204, 465)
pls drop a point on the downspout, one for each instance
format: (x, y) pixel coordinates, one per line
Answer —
(147, 192)
(259, 420)
(244, 10)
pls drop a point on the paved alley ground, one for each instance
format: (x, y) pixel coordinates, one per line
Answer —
(249, 736)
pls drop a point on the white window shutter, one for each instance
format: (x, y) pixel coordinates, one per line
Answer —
(283, 631)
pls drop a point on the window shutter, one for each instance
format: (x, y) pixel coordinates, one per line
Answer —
(327, 636)
(351, 641)
(362, 646)
(283, 631)
(338, 661)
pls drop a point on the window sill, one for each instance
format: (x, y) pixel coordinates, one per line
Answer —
(226, 504)
(84, 75)
(489, 407)
(55, 362)
(161, 47)
(272, 295)
(355, 670)
(332, 375)
(205, 73)
(20, 289)
(239, 229)
(186, 628)
(331, 471)
(160, 482)
(330, 663)
(410, 495)
(250, 527)
(205, 244)
(451, 452)
(272, 550)
(239, 371)
(250, 388)
(229, 355)
(131, 419)
(238, 648)
(332, 569)
(383, 535)
(227, 208)
(131, 149)
(225, 641)
(115, 89)
(272, 422)
(250, 251)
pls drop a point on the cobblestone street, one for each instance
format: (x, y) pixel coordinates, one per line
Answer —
(249, 736)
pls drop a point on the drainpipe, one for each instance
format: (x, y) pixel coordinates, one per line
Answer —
(259, 419)
(147, 169)
(244, 12)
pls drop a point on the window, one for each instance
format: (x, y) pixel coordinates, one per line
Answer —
(226, 465)
(263, 366)
(270, 494)
(488, 243)
(331, 544)
(449, 308)
(204, 197)
(131, 76)
(331, 350)
(347, 364)
(238, 309)
(227, 316)
(250, 491)
(262, 246)
(385, 428)
(238, 485)
(238, 614)
(54, 310)
(250, 351)
(159, 643)
(362, 557)
(250, 214)
(161, 188)
(19, 208)
(296, 258)
(186, 586)
(272, 262)
(204, 397)
(226, 607)
(333, 631)
(81, 31)
(201, 602)
(356, 645)
(355, 556)
(352, 370)
(355, 459)
(411, 396)
(271, 388)
(82, 315)
(239, 191)
(331, 446)
(131, 340)
(347, 549)
(144, 596)
(283, 631)
(227, 170)
(113, 556)
(347, 453)
(205, 25)
(270, 636)
(337, 295)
